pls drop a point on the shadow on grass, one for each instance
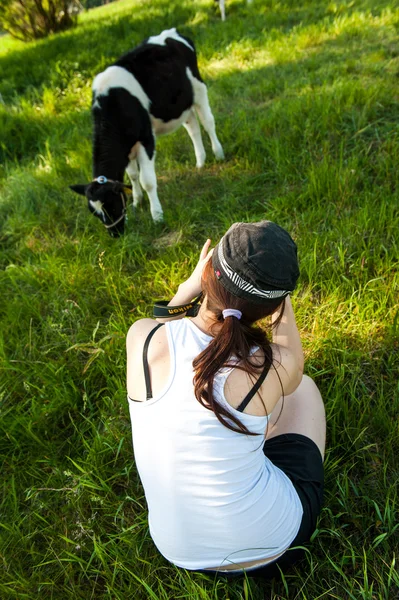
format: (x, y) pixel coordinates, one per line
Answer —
(25, 136)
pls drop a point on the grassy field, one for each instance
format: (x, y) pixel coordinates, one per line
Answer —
(306, 101)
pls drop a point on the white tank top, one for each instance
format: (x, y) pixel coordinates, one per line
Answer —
(213, 497)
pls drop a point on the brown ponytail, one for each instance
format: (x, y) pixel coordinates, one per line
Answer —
(234, 338)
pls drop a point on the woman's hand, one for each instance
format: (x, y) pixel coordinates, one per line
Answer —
(192, 285)
(191, 288)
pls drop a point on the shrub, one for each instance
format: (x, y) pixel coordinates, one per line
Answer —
(33, 19)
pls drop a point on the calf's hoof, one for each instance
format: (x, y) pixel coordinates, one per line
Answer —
(218, 152)
(157, 217)
(200, 160)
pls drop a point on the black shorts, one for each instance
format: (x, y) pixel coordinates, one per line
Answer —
(300, 459)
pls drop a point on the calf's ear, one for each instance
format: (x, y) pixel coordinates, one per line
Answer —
(121, 187)
(79, 189)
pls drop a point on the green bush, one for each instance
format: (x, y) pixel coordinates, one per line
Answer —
(33, 19)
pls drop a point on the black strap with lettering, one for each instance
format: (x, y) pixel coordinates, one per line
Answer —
(161, 309)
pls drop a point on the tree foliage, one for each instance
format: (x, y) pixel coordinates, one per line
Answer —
(34, 19)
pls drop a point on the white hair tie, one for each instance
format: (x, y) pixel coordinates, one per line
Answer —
(231, 312)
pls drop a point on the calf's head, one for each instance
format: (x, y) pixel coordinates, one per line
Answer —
(107, 200)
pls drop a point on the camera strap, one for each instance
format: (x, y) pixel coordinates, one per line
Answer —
(161, 309)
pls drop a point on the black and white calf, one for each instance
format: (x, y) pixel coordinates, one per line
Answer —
(148, 92)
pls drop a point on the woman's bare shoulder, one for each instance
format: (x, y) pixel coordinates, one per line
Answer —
(283, 376)
(157, 355)
(138, 333)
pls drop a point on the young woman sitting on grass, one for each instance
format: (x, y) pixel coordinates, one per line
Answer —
(228, 433)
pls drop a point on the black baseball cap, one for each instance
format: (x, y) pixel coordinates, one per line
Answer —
(257, 262)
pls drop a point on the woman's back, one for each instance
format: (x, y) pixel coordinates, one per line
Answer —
(213, 497)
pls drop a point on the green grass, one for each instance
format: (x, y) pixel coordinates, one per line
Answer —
(305, 96)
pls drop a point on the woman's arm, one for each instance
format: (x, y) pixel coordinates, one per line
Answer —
(286, 336)
(139, 331)
(191, 288)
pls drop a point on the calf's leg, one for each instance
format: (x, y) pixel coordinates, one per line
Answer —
(201, 103)
(148, 181)
(222, 10)
(133, 172)
(193, 129)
